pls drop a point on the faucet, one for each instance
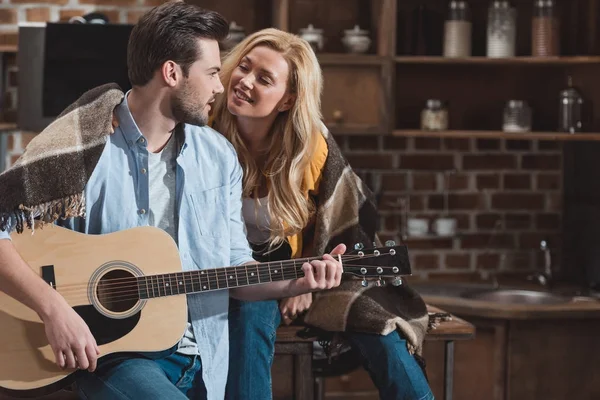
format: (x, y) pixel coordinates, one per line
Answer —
(544, 277)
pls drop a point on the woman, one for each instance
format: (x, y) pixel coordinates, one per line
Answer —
(292, 171)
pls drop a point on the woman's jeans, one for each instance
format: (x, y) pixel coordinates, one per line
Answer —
(252, 330)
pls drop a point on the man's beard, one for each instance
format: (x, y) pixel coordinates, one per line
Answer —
(185, 107)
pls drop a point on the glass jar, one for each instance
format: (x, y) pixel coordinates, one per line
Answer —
(501, 30)
(434, 116)
(570, 110)
(517, 116)
(544, 29)
(457, 30)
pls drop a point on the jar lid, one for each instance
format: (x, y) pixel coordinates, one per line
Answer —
(501, 4)
(310, 29)
(570, 92)
(356, 31)
(434, 103)
(516, 103)
(458, 4)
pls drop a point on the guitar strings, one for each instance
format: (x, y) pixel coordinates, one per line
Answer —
(162, 285)
(133, 294)
(259, 268)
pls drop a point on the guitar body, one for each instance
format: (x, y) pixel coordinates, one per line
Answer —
(130, 289)
(82, 269)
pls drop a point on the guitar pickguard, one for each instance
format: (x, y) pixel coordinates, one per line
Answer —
(105, 329)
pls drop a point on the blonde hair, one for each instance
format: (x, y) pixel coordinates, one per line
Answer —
(292, 136)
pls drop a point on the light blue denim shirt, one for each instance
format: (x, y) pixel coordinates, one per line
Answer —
(211, 229)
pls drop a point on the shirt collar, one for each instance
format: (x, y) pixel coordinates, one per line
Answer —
(132, 133)
(130, 130)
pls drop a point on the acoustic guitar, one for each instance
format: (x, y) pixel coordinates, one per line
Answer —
(129, 288)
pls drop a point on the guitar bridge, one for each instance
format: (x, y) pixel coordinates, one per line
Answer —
(48, 275)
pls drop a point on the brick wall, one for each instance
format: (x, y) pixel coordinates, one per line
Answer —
(506, 195)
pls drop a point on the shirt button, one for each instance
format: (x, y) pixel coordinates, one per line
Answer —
(141, 140)
(142, 211)
(143, 170)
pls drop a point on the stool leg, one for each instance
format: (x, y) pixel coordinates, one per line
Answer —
(448, 369)
(304, 386)
(319, 388)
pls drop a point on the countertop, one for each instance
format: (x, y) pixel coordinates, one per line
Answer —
(450, 297)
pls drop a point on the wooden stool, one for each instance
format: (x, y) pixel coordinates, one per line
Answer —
(449, 332)
(305, 386)
(289, 343)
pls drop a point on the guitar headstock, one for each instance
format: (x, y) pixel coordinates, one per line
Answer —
(388, 262)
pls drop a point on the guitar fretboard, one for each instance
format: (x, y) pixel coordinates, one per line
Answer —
(219, 278)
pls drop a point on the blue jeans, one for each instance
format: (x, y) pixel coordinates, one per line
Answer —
(252, 329)
(133, 376)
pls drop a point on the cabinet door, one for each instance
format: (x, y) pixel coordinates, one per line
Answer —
(553, 359)
(479, 363)
(354, 98)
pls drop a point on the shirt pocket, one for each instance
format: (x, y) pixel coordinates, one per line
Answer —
(210, 208)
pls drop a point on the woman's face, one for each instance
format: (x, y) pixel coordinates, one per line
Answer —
(258, 85)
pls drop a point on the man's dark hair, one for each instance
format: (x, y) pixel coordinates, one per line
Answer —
(170, 32)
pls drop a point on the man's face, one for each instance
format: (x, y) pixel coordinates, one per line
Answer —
(192, 98)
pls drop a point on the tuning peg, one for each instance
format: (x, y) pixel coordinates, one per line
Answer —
(390, 243)
(397, 281)
(380, 282)
(364, 283)
(359, 246)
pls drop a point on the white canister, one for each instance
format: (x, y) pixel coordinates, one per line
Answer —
(356, 40)
(417, 226)
(444, 226)
(313, 36)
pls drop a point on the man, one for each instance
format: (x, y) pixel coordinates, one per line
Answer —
(160, 167)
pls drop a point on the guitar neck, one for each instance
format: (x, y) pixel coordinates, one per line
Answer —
(206, 280)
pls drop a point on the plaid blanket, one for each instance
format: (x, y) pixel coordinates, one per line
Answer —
(48, 180)
(347, 213)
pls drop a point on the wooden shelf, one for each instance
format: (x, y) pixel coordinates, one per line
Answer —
(7, 48)
(465, 134)
(354, 129)
(500, 61)
(7, 127)
(349, 59)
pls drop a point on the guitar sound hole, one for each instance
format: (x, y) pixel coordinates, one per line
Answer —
(117, 291)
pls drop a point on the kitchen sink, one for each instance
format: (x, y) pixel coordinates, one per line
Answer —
(502, 295)
(514, 296)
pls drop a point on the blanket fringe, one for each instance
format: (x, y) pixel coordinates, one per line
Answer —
(45, 213)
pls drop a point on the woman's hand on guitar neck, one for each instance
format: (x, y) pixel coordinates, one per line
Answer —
(320, 274)
(70, 338)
